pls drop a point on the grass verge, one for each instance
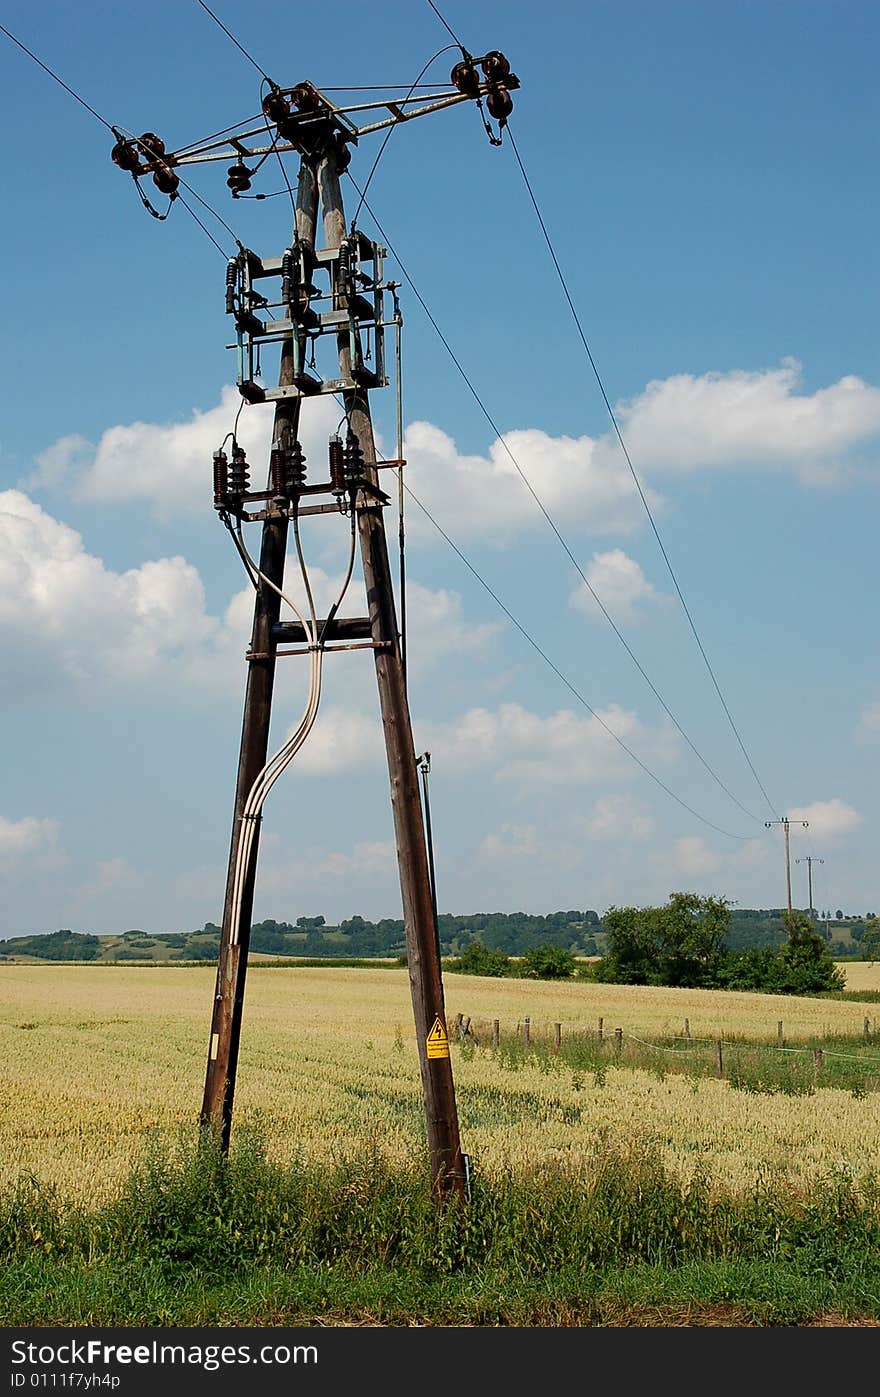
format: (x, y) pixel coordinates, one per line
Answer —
(194, 1239)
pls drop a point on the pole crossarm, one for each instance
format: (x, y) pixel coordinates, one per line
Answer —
(308, 122)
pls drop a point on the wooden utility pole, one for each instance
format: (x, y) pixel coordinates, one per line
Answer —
(235, 936)
(809, 860)
(786, 823)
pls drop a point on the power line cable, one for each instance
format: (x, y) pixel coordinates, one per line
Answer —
(632, 469)
(55, 77)
(192, 213)
(391, 129)
(500, 437)
(250, 58)
(114, 130)
(565, 680)
(513, 619)
(449, 31)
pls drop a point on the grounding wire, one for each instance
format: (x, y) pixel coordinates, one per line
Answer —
(499, 435)
(632, 469)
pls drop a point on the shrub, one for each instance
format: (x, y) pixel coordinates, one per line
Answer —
(478, 959)
(548, 963)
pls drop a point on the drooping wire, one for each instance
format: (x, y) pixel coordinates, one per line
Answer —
(632, 469)
(500, 437)
(220, 219)
(391, 129)
(192, 213)
(250, 58)
(56, 78)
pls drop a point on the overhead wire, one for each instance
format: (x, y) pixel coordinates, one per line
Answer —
(241, 48)
(636, 480)
(558, 672)
(564, 678)
(391, 129)
(114, 130)
(506, 447)
(633, 472)
(207, 206)
(60, 81)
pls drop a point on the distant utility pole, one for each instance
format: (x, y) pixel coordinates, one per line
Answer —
(809, 860)
(785, 822)
(280, 301)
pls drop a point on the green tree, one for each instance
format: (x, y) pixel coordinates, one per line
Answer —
(871, 944)
(681, 943)
(805, 962)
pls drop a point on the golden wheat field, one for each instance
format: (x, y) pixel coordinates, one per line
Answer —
(95, 1058)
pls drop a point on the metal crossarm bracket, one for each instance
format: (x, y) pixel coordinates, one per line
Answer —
(301, 306)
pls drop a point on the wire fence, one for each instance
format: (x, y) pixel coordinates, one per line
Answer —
(729, 1057)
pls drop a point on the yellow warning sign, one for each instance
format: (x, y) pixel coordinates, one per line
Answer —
(436, 1043)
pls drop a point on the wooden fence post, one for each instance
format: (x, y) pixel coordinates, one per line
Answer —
(719, 1061)
(618, 1041)
(867, 1028)
(687, 1030)
(817, 1060)
(496, 1033)
(557, 1036)
(600, 1030)
(527, 1029)
(780, 1040)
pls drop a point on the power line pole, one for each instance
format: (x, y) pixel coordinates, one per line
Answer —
(785, 822)
(809, 860)
(321, 132)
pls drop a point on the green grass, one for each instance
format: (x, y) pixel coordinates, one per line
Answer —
(851, 1063)
(195, 1239)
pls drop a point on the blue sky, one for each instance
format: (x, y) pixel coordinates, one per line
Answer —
(708, 176)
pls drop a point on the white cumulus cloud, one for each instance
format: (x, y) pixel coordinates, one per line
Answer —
(64, 614)
(619, 817)
(827, 818)
(27, 837)
(619, 583)
(740, 418)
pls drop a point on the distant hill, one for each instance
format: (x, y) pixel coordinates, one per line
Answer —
(514, 933)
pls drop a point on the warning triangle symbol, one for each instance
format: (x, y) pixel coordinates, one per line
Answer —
(438, 1032)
